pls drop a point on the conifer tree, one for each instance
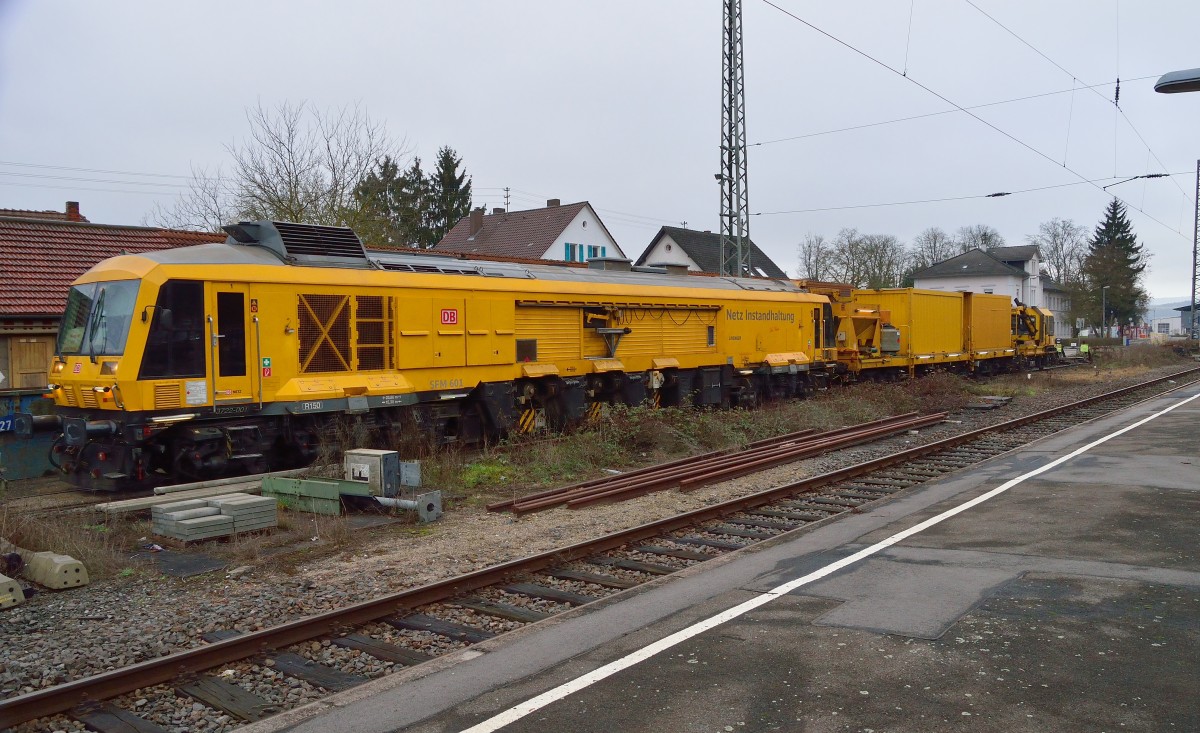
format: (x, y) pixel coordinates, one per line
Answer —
(1115, 260)
(393, 205)
(449, 196)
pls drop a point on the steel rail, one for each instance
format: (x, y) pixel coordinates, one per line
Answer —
(693, 477)
(688, 460)
(64, 697)
(667, 475)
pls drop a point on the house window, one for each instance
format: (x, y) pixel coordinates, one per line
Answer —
(1164, 328)
(569, 252)
(591, 251)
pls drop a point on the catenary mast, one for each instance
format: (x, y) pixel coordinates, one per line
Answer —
(735, 197)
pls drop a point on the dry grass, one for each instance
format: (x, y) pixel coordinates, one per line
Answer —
(103, 548)
(628, 437)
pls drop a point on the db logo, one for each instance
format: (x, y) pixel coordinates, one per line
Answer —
(449, 316)
(77, 368)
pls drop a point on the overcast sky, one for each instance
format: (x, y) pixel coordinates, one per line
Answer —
(618, 102)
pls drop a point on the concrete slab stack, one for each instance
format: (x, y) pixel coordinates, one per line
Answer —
(249, 512)
(218, 516)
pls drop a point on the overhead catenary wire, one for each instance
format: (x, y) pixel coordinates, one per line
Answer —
(999, 194)
(1116, 92)
(959, 107)
(851, 128)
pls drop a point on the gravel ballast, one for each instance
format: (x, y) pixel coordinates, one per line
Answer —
(57, 637)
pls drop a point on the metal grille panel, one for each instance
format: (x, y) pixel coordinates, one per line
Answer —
(373, 324)
(324, 333)
(557, 331)
(166, 396)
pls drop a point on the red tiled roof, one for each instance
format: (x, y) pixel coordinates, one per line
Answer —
(523, 234)
(71, 213)
(40, 259)
(39, 215)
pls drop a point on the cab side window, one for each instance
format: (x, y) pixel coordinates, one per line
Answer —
(175, 346)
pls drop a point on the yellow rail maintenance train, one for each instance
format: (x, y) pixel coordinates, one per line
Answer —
(235, 358)
(222, 359)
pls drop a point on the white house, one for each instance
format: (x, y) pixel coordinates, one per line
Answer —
(1011, 271)
(701, 252)
(566, 233)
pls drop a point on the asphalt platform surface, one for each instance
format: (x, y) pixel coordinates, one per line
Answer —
(1069, 602)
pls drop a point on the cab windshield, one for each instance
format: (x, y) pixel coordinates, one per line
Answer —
(97, 319)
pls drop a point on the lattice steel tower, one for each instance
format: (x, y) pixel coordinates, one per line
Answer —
(735, 196)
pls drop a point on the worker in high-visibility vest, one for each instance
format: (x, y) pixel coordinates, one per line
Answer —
(1083, 349)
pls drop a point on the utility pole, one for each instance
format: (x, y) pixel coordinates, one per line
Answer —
(506, 192)
(1195, 256)
(735, 197)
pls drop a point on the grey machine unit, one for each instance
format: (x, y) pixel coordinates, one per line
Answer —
(378, 469)
(384, 473)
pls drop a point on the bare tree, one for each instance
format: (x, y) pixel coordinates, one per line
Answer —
(1063, 246)
(977, 236)
(207, 205)
(884, 260)
(847, 263)
(297, 164)
(816, 256)
(931, 247)
(862, 260)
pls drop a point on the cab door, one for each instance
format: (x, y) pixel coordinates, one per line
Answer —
(231, 348)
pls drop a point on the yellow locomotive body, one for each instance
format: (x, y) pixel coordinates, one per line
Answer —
(232, 358)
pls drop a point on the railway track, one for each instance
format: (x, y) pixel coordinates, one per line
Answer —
(394, 630)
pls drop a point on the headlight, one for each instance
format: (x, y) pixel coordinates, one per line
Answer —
(108, 368)
(58, 367)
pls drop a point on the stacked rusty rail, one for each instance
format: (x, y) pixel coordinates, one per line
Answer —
(695, 471)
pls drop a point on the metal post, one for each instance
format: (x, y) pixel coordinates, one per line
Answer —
(1195, 240)
(1103, 312)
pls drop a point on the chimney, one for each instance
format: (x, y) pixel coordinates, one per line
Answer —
(73, 211)
(476, 221)
(497, 210)
(551, 203)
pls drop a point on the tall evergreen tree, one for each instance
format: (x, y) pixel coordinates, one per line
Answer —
(449, 196)
(412, 208)
(377, 194)
(1115, 260)
(393, 205)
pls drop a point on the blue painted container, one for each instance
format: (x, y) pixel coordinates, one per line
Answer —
(23, 457)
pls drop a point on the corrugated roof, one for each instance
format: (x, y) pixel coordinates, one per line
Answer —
(40, 259)
(705, 250)
(525, 234)
(975, 262)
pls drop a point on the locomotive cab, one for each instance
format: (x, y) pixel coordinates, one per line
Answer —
(135, 362)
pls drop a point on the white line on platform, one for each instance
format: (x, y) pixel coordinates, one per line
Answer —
(517, 712)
